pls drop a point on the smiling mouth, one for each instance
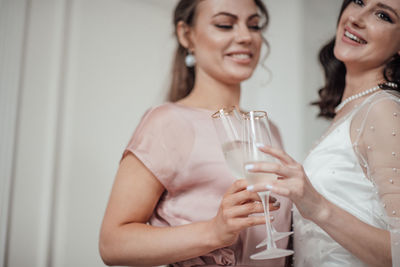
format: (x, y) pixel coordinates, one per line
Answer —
(241, 56)
(354, 38)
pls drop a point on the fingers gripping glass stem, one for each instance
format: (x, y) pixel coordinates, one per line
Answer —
(272, 251)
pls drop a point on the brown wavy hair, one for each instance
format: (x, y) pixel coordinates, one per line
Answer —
(183, 77)
(331, 93)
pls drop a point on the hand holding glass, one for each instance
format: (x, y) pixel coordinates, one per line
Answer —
(229, 126)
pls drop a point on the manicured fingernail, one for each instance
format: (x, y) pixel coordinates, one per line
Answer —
(272, 217)
(276, 204)
(269, 187)
(259, 145)
(249, 167)
(250, 188)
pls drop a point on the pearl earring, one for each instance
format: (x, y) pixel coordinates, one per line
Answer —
(190, 60)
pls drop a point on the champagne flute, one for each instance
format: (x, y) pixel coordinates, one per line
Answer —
(228, 123)
(256, 133)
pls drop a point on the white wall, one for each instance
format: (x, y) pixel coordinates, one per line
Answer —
(278, 89)
(118, 58)
(297, 30)
(12, 21)
(34, 161)
(319, 25)
(80, 74)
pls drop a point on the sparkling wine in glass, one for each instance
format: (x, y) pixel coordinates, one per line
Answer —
(229, 127)
(256, 133)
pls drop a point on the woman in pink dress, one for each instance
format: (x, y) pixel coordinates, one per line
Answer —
(174, 200)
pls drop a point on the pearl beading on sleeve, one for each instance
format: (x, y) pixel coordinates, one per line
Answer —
(377, 144)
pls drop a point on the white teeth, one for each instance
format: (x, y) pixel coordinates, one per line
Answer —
(353, 37)
(241, 56)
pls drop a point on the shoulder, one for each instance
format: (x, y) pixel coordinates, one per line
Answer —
(383, 104)
(163, 116)
(378, 116)
(168, 119)
(385, 97)
(162, 112)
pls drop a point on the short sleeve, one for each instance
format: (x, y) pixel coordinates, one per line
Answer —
(163, 141)
(380, 149)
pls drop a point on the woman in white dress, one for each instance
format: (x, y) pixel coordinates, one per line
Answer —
(348, 189)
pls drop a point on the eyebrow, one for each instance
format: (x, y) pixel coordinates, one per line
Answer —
(381, 5)
(234, 16)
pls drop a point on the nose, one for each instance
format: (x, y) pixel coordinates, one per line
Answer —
(243, 35)
(357, 20)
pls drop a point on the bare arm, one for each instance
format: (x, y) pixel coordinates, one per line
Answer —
(368, 243)
(126, 239)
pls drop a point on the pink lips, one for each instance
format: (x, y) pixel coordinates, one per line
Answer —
(352, 37)
(240, 56)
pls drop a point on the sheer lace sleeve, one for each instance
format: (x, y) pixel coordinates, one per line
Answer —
(378, 145)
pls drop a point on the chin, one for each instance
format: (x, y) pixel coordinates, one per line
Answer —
(337, 52)
(343, 55)
(239, 78)
(240, 75)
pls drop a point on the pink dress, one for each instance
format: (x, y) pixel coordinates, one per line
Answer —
(179, 145)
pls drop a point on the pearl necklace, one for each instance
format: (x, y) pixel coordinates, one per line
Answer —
(361, 94)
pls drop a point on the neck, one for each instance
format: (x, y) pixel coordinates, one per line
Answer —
(212, 94)
(361, 81)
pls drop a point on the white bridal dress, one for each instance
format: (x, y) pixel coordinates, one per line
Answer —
(356, 166)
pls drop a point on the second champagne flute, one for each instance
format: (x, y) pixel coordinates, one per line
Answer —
(256, 133)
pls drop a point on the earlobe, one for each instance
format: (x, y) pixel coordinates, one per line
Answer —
(183, 33)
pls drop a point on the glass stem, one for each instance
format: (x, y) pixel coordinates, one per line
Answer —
(265, 201)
